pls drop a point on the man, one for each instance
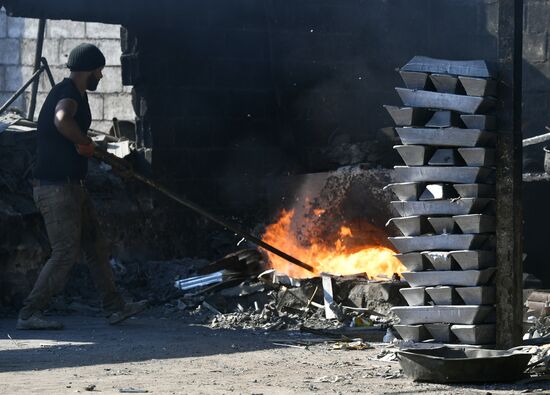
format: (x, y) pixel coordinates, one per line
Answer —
(59, 193)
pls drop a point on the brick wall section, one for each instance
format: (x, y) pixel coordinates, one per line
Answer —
(17, 48)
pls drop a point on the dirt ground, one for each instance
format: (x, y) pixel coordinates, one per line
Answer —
(171, 356)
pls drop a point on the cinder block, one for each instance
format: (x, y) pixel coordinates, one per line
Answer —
(40, 98)
(2, 79)
(16, 76)
(102, 126)
(96, 105)
(67, 44)
(112, 51)
(3, 24)
(50, 51)
(19, 103)
(111, 81)
(10, 52)
(102, 30)
(65, 29)
(535, 47)
(118, 106)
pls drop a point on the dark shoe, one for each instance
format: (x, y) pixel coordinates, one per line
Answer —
(37, 321)
(129, 310)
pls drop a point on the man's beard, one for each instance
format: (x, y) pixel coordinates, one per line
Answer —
(91, 83)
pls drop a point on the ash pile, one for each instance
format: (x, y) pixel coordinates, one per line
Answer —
(238, 292)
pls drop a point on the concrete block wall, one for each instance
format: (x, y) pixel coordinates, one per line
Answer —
(17, 48)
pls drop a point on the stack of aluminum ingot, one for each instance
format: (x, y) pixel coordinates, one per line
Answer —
(446, 201)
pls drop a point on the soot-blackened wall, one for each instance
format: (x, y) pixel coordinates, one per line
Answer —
(229, 92)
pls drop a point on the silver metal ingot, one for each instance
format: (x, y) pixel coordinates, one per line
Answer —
(475, 223)
(414, 155)
(446, 137)
(459, 206)
(438, 191)
(439, 242)
(477, 295)
(414, 261)
(458, 174)
(440, 260)
(479, 121)
(445, 157)
(415, 80)
(464, 314)
(464, 278)
(414, 333)
(414, 296)
(474, 260)
(444, 83)
(441, 333)
(411, 226)
(445, 101)
(443, 225)
(475, 190)
(478, 156)
(408, 116)
(406, 191)
(469, 68)
(444, 295)
(478, 86)
(475, 334)
(444, 119)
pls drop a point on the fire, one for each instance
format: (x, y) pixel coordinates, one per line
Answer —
(335, 258)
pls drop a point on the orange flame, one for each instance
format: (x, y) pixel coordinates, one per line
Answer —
(376, 261)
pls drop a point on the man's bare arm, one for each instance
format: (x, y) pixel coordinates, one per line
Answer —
(66, 124)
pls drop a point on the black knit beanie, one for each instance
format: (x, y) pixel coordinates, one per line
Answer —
(85, 57)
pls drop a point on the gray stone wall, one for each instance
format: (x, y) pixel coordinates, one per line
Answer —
(17, 48)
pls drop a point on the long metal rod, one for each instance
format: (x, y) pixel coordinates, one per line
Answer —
(48, 71)
(21, 90)
(37, 60)
(119, 163)
(536, 140)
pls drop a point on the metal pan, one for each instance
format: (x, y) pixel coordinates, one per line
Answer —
(462, 365)
(464, 278)
(446, 137)
(441, 207)
(478, 156)
(445, 101)
(465, 315)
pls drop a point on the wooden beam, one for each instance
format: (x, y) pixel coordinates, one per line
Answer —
(509, 278)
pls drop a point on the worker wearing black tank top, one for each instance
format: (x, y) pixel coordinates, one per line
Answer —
(63, 151)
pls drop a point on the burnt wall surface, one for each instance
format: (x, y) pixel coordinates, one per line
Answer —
(234, 91)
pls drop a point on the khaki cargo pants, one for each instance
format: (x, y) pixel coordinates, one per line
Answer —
(72, 229)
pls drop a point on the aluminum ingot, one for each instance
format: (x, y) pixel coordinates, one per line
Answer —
(441, 333)
(414, 333)
(479, 86)
(484, 295)
(478, 156)
(475, 334)
(475, 223)
(446, 157)
(414, 155)
(466, 315)
(463, 278)
(408, 116)
(406, 244)
(415, 80)
(479, 121)
(444, 83)
(406, 191)
(440, 260)
(441, 207)
(469, 68)
(443, 295)
(475, 190)
(445, 101)
(414, 261)
(443, 225)
(414, 296)
(474, 260)
(458, 174)
(410, 226)
(446, 137)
